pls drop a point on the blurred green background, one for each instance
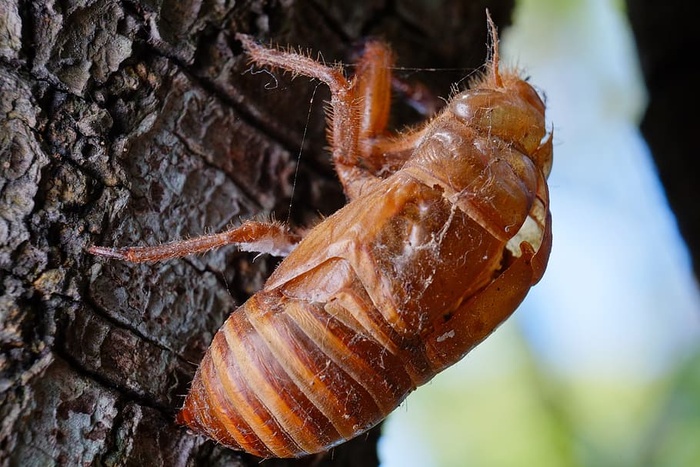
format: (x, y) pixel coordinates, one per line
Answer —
(601, 365)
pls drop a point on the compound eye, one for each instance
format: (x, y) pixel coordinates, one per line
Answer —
(529, 95)
(466, 106)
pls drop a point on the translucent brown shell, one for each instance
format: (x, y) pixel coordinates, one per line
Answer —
(417, 269)
(446, 229)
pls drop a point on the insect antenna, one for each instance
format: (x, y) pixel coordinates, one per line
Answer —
(495, 57)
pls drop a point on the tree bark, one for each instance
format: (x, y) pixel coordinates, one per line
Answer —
(139, 122)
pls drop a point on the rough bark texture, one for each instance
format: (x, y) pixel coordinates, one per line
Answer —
(668, 41)
(137, 122)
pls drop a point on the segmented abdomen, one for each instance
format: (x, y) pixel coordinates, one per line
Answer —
(284, 378)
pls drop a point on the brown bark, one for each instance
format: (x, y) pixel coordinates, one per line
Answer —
(126, 123)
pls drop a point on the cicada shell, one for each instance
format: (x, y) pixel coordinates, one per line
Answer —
(446, 229)
(401, 283)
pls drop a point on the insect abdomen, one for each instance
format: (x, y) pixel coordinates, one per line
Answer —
(284, 378)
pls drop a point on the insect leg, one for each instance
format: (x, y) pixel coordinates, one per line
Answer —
(362, 152)
(370, 96)
(389, 153)
(346, 106)
(378, 154)
(295, 63)
(372, 93)
(263, 237)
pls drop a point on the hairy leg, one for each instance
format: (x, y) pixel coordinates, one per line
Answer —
(262, 237)
(362, 151)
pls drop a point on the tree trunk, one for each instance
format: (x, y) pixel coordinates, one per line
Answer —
(140, 122)
(667, 42)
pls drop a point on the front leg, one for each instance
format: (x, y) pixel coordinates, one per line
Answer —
(363, 154)
(262, 237)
